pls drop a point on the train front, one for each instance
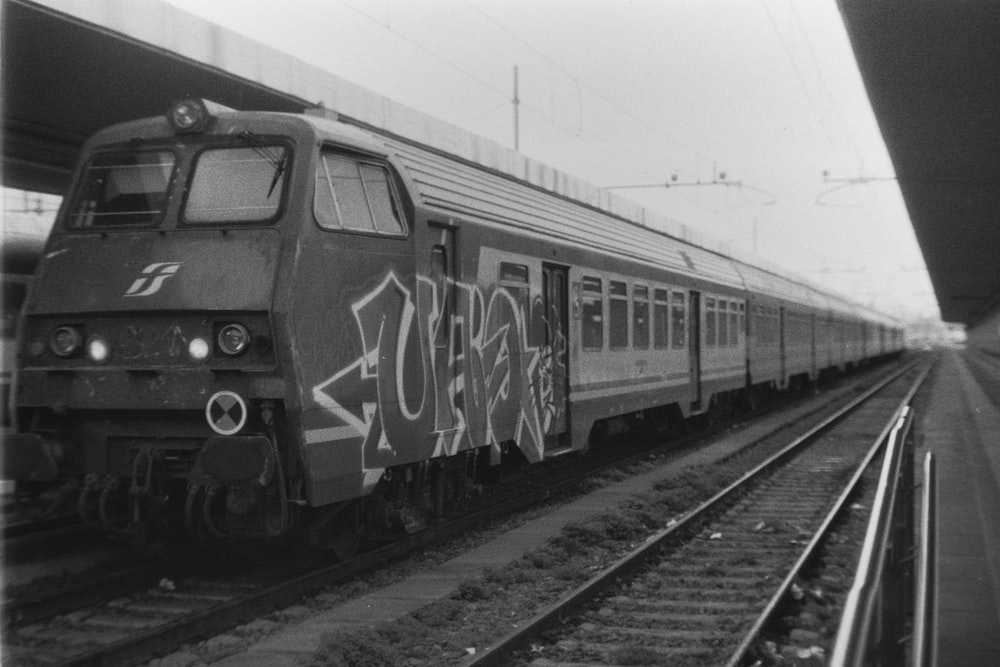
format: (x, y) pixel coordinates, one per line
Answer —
(149, 387)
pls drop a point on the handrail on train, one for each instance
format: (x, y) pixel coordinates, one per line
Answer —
(888, 616)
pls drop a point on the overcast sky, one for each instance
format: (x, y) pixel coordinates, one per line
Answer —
(631, 93)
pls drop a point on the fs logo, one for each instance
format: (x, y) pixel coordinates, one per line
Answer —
(152, 277)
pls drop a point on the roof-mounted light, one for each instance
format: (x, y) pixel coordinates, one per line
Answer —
(194, 114)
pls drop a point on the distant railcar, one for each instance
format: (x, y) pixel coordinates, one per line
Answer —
(246, 322)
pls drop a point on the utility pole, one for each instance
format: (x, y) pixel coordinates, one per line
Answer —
(517, 112)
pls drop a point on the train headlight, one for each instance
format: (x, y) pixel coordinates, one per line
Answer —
(199, 349)
(98, 350)
(233, 339)
(188, 116)
(193, 115)
(65, 341)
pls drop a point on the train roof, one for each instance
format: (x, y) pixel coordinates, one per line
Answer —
(496, 186)
(464, 175)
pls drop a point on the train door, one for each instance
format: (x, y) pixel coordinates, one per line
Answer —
(441, 242)
(694, 348)
(555, 300)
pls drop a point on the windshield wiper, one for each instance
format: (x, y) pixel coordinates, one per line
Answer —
(278, 162)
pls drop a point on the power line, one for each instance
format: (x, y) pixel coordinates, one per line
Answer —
(579, 81)
(538, 112)
(426, 50)
(798, 73)
(821, 78)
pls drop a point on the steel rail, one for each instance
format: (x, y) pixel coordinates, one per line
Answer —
(853, 645)
(496, 655)
(885, 440)
(224, 616)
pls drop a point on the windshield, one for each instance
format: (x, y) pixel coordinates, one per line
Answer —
(121, 189)
(236, 185)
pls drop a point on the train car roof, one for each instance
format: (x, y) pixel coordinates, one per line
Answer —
(494, 185)
(467, 176)
(457, 189)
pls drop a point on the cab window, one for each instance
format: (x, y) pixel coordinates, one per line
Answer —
(123, 189)
(355, 195)
(242, 184)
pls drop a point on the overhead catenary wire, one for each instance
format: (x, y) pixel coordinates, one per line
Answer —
(580, 82)
(593, 142)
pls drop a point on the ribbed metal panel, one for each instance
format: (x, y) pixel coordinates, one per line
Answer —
(466, 192)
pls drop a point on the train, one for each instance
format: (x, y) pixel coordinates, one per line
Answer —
(247, 325)
(20, 247)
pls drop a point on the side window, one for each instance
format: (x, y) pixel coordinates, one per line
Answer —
(593, 314)
(678, 319)
(357, 196)
(514, 277)
(709, 322)
(743, 321)
(723, 328)
(734, 331)
(661, 319)
(640, 317)
(618, 326)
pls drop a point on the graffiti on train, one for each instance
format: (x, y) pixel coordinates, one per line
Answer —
(471, 371)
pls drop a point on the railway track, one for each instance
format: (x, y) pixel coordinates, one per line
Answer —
(702, 591)
(132, 616)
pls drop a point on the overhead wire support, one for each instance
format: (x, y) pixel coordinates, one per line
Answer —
(517, 114)
(846, 183)
(721, 180)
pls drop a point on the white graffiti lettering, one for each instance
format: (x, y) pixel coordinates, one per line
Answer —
(438, 374)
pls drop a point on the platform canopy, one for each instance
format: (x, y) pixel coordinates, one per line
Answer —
(932, 70)
(71, 68)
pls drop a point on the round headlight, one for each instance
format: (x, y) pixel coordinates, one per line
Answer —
(199, 349)
(98, 350)
(187, 115)
(65, 341)
(233, 339)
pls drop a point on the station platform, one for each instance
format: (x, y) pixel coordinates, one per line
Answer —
(961, 426)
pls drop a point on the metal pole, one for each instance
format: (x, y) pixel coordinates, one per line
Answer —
(517, 112)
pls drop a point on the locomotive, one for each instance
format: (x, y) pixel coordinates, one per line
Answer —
(252, 323)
